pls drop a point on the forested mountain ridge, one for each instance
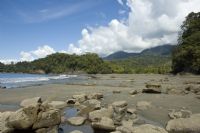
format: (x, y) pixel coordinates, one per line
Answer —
(163, 50)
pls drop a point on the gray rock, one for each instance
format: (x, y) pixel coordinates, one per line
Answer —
(23, 118)
(98, 114)
(4, 128)
(48, 118)
(76, 121)
(31, 102)
(53, 129)
(95, 96)
(147, 128)
(180, 114)
(131, 111)
(184, 125)
(133, 92)
(93, 102)
(80, 98)
(105, 123)
(120, 104)
(71, 101)
(57, 104)
(143, 105)
(124, 129)
(76, 131)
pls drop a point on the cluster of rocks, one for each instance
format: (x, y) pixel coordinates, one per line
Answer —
(34, 116)
(44, 117)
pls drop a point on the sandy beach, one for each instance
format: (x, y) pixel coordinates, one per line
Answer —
(106, 84)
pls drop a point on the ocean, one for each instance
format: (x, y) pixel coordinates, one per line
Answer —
(16, 80)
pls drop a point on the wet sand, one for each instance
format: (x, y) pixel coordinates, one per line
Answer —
(157, 114)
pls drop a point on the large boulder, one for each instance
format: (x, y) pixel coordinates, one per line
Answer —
(98, 114)
(76, 121)
(143, 105)
(57, 104)
(105, 123)
(48, 118)
(4, 128)
(184, 125)
(147, 128)
(23, 118)
(80, 98)
(31, 102)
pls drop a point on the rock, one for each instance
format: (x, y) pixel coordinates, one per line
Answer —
(57, 104)
(133, 92)
(31, 102)
(131, 111)
(152, 90)
(175, 91)
(138, 121)
(4, 128)
(180, 114)
(76, 121)
(116, 132)
(124, 129)
(120, 109)
(95, 96)
(53, 129)
(23, 118)
(153, 85)
(48, 118)
(93, 102)
(80, 98)
(98, 114)
(120, 104)
(71, 101)
(76, 131)
(143, 105)
(105, 123)
(147, 128)
(184, 125)
(116, 91)
(193, 88)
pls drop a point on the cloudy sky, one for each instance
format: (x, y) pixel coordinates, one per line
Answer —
(31, 29)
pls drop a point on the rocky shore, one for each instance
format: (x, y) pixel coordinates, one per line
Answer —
(159, 106)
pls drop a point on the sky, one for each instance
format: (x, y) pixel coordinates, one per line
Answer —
(31, 29)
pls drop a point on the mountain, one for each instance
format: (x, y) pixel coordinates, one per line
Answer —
(164, 50)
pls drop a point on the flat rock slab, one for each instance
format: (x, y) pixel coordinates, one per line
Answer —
(147, 128)
(184, 125)
(31, 102)
(76, 121)
(104, 124)
(57, 104)
(120, 104)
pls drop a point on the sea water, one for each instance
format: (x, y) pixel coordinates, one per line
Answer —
(14, 80)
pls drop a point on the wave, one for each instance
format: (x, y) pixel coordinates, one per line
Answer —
(34, 79)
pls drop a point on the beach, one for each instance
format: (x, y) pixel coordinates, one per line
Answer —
(173, 95)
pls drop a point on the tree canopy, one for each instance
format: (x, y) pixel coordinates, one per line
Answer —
(186, 56)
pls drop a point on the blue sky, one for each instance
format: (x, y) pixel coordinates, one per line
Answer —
(31, 29)
(28, 24)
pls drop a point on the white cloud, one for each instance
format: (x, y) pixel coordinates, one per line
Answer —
(40, 52)
(149, 23)
(26, 56)
(9, 61)
(120, 2)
